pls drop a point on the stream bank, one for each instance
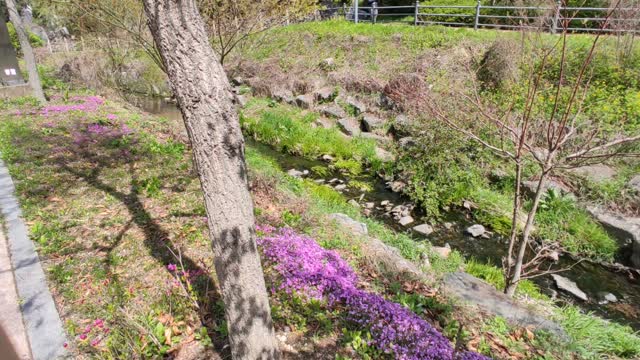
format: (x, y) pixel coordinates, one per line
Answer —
(595, 280)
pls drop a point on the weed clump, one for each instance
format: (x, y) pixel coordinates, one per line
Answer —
(407, 92)
(499, 65)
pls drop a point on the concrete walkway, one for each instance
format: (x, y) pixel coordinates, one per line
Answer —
(42, 323)
(10, 316)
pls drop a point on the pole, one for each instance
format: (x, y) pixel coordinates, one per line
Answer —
(416, 12)
(477, 20)
(355, 11)
(556, 17)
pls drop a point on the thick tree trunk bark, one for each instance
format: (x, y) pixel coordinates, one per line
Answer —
(204, 96)
(27, 51)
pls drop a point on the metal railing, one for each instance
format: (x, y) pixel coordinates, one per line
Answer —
(550, 18)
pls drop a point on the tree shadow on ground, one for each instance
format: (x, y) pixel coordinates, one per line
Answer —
(87, 160)
(94, 161)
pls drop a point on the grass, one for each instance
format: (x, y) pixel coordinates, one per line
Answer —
(592, 336)
(561, 219)
(444, 170)
(97, 212)
(324, 200)
(290, 130)
(494, 276)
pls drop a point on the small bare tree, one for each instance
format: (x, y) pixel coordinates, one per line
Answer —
(27, 51)
(119, 20)
(232, 22)
(548, 127)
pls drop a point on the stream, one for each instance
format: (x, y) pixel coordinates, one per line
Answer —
(594, 279)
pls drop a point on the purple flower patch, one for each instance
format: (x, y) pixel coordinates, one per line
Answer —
(98, 129)
(307, 268)
(83, 103)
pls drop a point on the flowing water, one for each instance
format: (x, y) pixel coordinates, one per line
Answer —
(593, 279)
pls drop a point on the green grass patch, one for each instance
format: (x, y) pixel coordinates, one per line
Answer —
(593, 337)
(560, 219)
(494, 276)
(290, 130)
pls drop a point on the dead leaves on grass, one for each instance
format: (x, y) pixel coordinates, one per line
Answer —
(500, 347)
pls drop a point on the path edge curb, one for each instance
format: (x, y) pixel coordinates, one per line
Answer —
(44, 328)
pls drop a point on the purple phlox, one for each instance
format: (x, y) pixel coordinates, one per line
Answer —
(82, 103)
(98, 129)
(308, 269)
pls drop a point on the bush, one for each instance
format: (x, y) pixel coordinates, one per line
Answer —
(499, 66)
(442, 169)
(449, 15)
(407, 92)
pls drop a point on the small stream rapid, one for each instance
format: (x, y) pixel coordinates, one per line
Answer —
(594, 279)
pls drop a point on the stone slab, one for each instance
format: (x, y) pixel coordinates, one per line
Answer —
(478, 293)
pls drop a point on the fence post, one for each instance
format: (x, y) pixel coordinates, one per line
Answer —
(416, 12)
(344, 11)
(556, 17)
(355, 11)
(477, 19)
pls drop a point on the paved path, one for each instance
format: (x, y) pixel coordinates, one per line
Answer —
(42, 323)
(10, 316)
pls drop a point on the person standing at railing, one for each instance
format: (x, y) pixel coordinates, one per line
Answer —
(373, 9)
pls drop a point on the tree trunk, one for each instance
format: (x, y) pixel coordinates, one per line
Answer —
(204, 96)
(514, 220)
(512, 284)
(27, 51)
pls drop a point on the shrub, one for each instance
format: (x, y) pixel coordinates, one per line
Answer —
(499, 66)
(407, 92)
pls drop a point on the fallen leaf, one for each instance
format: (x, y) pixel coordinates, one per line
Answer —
(165, 318)
(530, 334)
